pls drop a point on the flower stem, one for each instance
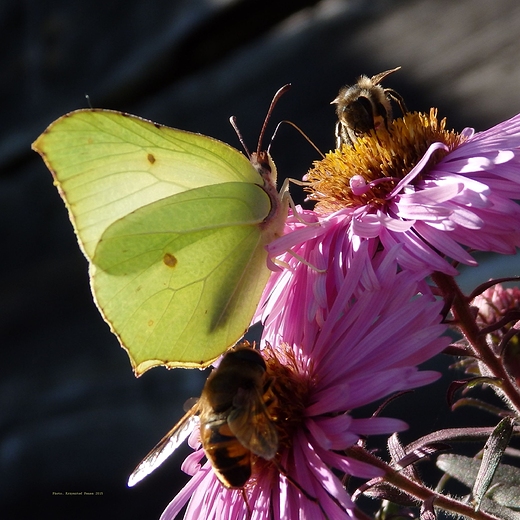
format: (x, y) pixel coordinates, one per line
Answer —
(416, 489)
(466, 322)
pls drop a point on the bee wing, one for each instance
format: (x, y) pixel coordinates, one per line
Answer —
(166, 446)
(251, 425)
(382, 75)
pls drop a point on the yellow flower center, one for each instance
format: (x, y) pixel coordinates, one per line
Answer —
(383, 154)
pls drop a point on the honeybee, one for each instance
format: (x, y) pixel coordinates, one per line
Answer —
(235, 413)
(363, 107)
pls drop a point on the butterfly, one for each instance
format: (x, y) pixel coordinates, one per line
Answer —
(174, 226)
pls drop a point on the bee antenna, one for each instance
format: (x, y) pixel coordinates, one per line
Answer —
(305, 136)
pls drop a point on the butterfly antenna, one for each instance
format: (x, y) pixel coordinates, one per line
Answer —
(276, 97)
(233, 121)
(305, 136)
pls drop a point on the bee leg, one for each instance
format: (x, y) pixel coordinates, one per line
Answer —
(392, 94)
(246, 500)
(307, 495)
(342, 136)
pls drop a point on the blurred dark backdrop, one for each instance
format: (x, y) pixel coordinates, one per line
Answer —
(72, 415)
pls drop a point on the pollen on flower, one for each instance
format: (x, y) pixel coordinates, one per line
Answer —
(291, 387)
(382, 158)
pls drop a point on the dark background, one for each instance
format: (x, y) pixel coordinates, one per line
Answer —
(72, 415)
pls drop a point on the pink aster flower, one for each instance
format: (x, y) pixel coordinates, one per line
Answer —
(325, 263)
(495, 302)
(437, 193)
(498, 309)
(364, 346)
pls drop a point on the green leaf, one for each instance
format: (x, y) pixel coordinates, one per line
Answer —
(493, 452)
(174, 226)
(504, 485)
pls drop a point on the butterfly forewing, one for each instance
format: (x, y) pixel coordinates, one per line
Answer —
(107, 164)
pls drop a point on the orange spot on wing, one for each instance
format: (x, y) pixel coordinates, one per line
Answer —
(169, 260)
